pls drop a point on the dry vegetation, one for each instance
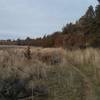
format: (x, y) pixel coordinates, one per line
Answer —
(49, 74)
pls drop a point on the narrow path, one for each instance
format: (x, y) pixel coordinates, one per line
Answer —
(89, 92)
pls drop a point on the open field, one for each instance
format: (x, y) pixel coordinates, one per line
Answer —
(49, 74)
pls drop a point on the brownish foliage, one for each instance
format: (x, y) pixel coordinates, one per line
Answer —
(69, 41)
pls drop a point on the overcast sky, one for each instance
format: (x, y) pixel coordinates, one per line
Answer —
(34, 18)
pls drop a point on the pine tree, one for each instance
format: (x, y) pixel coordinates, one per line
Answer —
(98, 13)
(90, 12)
(89, 15)
(87, 20)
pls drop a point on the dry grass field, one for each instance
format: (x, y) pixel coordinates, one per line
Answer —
(49, 74)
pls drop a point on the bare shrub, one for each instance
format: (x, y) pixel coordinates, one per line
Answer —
(27, 53)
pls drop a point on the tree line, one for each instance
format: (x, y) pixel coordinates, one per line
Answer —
(83, 33)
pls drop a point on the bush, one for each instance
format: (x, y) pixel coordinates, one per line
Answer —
(27, 53)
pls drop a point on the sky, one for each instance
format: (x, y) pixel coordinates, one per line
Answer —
(36, 18)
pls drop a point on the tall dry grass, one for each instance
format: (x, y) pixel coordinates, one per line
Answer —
(68, 75)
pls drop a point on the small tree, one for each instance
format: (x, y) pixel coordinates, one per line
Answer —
(27, 53)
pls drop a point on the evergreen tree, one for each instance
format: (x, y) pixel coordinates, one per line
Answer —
(90, 12)
(98, 13)
(89, 15)
(87, 20)
(69, 29)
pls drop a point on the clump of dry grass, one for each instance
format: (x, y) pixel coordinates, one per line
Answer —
(49, 55)
(86, 56)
